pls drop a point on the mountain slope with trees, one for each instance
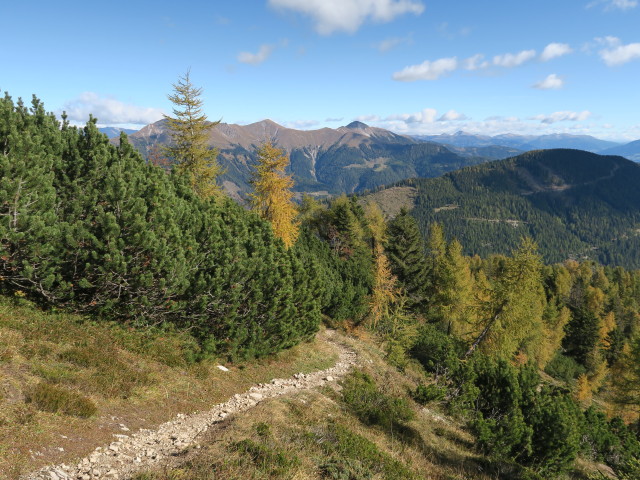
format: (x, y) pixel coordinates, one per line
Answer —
(574, 204)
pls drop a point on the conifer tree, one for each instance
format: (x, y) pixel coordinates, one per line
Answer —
(272, 197)
(513, 319)
(451, 285)
(189, 132)
(385, 289)
(29, 224)
(407, 253)
(626, 377)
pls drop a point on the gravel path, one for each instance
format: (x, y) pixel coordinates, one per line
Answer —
(150, 448)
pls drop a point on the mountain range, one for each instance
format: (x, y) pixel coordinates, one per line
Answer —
(358, 157)
(630, 150)
(522, 142)
(574, 204)
(114, 132)
(324, 162)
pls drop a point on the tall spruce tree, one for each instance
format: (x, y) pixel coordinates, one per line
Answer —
(406, 250)
(189, 132)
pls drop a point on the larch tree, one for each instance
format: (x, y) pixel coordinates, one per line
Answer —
(385, 289)
(189, 130)
(513, 316)
(272, 198)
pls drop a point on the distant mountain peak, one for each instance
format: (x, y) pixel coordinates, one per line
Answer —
(357, 125)
(267, 122)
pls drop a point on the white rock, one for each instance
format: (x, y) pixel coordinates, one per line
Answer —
(223, 368)
(256, 396)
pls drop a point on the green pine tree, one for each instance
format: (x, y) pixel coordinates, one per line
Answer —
(406, 250)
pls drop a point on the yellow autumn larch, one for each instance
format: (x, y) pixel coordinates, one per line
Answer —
(272, 198)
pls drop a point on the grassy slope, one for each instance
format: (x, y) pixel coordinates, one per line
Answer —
(317, 435)
(140, 379)
(136, 379)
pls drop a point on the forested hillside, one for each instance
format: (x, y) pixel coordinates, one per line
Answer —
(538, 363)
(575, 204)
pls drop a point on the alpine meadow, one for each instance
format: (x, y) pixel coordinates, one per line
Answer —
(320, 239)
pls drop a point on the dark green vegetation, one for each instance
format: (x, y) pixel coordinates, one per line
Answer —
(346, 160)
(573, 203)
(92, 228)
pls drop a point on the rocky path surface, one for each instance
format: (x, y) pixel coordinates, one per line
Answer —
(147, 449)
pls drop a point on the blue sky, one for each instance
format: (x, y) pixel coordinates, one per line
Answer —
(413, 66)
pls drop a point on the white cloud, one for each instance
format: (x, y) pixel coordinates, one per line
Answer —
(390, 43)
(425, 123)
(445, 30)
(427, 70)
(615, 53)
(608, 41)
(452, 116)
(301, 124)
(427, 115)
(614, 4)
(334, 119)
(564, 116)
(476, 62)
(432, 70)
(555, 50)
(623, 4)
(575, 123)
(509, 60)
(256, 58)
(331, 16)
(109, 111)
(552, 82)
(368, 118)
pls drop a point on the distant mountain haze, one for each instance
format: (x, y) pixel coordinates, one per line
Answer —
(522, 142)
(630, 150)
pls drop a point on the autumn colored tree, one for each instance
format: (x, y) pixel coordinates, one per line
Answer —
(385, 289)
(189, 131)
(513, 317)
(626, 378)
(272, 198)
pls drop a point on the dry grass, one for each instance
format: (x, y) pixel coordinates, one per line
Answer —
(392, 200)
(314, 435)
(136, 379)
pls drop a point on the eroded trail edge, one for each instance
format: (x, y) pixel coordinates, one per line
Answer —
(147, 449)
